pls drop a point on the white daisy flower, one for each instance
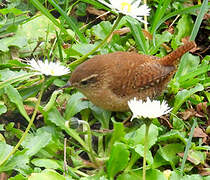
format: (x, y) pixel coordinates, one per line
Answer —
(129, 7)
(148, 109)
(48, 68)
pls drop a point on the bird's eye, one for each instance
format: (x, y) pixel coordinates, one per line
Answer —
(84, 82)
(89, 80)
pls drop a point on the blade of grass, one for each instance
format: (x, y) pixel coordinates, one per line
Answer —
(193, 35)
(68, 21)
(17, 78)
(45, 11)
(82, 59)
(190, 75)
(97, 4)
(138, 35)
(162, 6)
(183, 95)
(175, 13)
(188, 146)
(59, 46)
(203, 10)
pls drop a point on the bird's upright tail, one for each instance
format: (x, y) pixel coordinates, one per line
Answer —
(171, 58)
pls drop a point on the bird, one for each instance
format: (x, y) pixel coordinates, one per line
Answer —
(110, 80)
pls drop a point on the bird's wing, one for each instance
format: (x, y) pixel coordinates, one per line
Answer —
(138, 77)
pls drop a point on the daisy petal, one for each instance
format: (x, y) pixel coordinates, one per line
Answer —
(148, 109)
(48, 68)
(128, 7)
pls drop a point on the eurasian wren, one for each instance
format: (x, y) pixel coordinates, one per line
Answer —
(110, 80)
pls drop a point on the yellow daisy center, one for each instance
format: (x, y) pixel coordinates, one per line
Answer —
(126, 6)
(52, 71)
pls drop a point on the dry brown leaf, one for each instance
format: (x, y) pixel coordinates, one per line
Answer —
(29, 109)
(66, 46)
(204, 172)
(166, 47)
(198, 132)
(188, 114)
(122, 31)
(164, 121)
(188, 157)
(118, 31)
(201, 108)
(102, 14)
(3, 176)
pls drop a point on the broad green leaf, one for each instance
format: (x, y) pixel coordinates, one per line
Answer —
(81, 9)
(176, 175)
(34, 144)
(159, 161)
(57, 136)
(138, 34)
(14, 11)
(95, 177)
(118, 133)
(47, 174)
(55, 117)
(183, 95)
(75, 104)
(192, 177)
(160, 39)
(187, 64)
(1, 127)
(134, 175)
(101, 115)
(155, 174)
(80, 49)
(18, 160)
(172, 135)
(140, 150)
(184, 26)
(101, 30)
(5, 149)
(18, 40)
(18, 177)
(137, 137)
(46, 163)
(29, 33)
(178, 123)
(169, 154)
(15, 97)
(116, 163)
(3, 108)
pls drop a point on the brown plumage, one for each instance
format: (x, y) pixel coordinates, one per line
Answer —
(110, 80)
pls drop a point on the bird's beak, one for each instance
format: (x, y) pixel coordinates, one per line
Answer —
(68, 84)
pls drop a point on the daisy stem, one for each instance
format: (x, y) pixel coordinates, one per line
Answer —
(83, 58)
(28, 127)
(147, 123)
(91, 154)
(145, 18)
